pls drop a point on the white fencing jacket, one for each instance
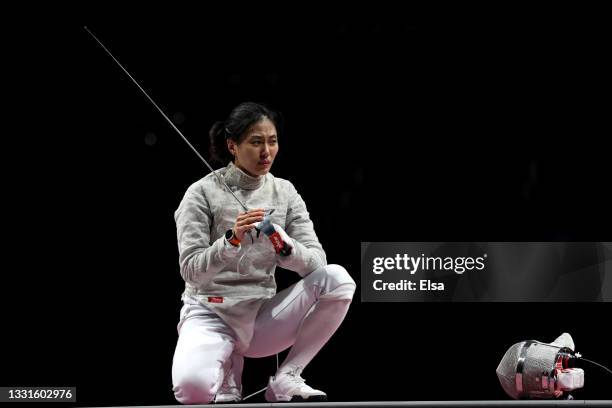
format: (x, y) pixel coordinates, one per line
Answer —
(235, 281)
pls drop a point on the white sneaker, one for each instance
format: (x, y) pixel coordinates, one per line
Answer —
(292, 387)
(228, 394)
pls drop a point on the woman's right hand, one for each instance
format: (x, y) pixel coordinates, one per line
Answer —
(246, 221)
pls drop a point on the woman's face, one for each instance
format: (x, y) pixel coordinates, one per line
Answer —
(256, 152)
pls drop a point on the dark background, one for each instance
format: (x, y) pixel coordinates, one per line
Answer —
(400, 126)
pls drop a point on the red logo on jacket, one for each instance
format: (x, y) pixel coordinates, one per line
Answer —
(215, 299)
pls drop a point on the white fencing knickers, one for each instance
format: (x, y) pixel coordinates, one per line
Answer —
(305, 316)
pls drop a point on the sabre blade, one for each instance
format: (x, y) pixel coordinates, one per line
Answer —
(167, 118)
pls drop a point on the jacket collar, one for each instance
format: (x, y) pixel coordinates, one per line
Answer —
(235, 177)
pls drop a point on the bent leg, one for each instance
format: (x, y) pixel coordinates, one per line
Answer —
(304, 315)
(202, 352)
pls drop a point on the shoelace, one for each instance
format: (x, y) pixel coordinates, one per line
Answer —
(296, 377)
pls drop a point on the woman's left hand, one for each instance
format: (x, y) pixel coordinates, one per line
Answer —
(283, 244)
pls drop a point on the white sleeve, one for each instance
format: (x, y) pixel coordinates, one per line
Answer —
(200, 260)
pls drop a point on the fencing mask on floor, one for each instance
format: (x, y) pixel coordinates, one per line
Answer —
(535, 370)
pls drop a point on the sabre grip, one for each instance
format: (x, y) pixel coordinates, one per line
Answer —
(280, 246)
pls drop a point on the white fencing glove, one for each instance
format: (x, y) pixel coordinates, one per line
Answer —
(282, 243)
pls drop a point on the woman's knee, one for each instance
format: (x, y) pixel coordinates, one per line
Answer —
(339, 285)
(197, 387)
(197, 369)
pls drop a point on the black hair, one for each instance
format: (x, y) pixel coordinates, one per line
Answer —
(235, 126)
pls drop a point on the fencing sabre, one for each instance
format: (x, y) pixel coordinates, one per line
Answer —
(167, 118)
(265, 226)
